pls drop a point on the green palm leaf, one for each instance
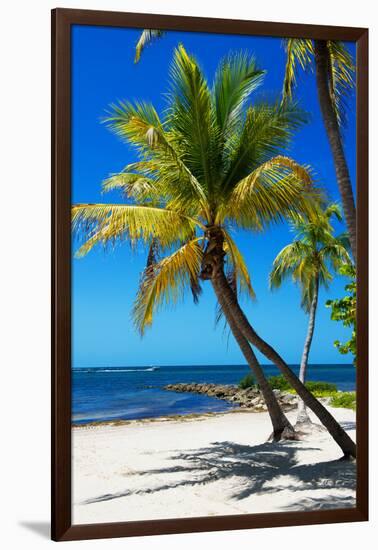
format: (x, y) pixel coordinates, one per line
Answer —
(140, 125)
(166, 282)
(131, 185)
(341, 78)
(266, 132)
(191, 117)
(299, 52)
(312, 255)
(236, 78)
(239, 267)
(278, 189)
(104, 223)
(146, 37)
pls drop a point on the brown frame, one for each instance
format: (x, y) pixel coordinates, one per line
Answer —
(62, 529)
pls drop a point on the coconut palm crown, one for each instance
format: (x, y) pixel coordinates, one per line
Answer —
(214, 163)
(310, 259)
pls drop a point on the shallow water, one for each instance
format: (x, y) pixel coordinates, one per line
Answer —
(124, 393)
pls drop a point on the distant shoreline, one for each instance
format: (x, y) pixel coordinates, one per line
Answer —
(114, 394)
(210, 365)
(249, 401)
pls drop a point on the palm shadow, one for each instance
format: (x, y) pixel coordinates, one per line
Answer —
(327, 502)
(256, 467)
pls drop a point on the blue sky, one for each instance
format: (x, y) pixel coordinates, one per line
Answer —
(105, 282)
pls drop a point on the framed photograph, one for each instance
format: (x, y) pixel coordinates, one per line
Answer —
(210, 274)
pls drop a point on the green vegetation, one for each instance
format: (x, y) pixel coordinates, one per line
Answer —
(344, 310)
(319, 389)
(247, 382)
(309, 261)
(346, 400)
(279, 383)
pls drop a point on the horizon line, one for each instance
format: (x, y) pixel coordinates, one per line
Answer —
(203, 365)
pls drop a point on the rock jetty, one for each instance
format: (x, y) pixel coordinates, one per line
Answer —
(249, 398)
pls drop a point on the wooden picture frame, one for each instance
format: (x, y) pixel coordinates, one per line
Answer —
(62, 528)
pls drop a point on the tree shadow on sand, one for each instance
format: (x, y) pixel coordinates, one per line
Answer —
(255, 468)
(326, 502)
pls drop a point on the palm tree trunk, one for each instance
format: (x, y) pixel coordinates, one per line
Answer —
(336, 431)
(282, 429)
(333, 132)
(303, 417)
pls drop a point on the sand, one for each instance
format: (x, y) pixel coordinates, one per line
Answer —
(210, 465)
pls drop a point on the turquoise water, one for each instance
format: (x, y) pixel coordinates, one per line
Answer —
(124, 393)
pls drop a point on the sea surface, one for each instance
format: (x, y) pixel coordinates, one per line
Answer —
(125, 393)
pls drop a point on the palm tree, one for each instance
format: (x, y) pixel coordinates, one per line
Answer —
(213, 164)
(334, 76)
(308, 260)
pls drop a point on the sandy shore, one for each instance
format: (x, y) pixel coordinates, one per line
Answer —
(205, 466)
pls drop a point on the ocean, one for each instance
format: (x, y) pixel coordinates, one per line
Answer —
(125, 393)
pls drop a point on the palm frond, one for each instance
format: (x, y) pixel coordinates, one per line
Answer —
(236, 78)
(266, 132)
(191, 117)
(131, 185)
(140, 125)
(239, 267)
(299, 54)
(335, 253)
(278, 189)
(333, 209)
(289, 263)
(104, 223)
(313, 254)
(166, 282)
(277, 167)
(135, 123)
(341, 78)
(146, 37)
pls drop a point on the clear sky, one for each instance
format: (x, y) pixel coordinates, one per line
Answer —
(105, 282)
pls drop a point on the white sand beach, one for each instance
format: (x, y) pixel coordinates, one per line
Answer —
(210, 465)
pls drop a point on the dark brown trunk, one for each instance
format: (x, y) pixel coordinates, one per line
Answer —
(303, 417)
(333, 132)
(336, 431)
(282, 429)
(213, 262)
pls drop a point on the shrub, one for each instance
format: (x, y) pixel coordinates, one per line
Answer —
(247, 382)
(279, 383)
(321, 388)
(346, 400)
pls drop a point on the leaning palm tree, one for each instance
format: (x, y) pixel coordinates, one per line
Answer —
(309, 260)
(334, 69)
(214, 164)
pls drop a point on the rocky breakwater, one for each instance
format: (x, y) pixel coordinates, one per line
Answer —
(249, 398)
